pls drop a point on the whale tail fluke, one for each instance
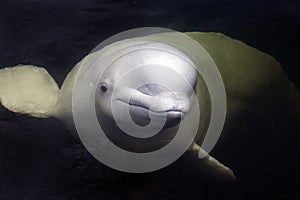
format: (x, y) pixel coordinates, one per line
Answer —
(28, 89)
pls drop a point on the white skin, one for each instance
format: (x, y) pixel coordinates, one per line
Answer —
(162, 91)
(156, 89)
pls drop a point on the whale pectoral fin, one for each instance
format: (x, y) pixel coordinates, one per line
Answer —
(28, 90)
(212, 165)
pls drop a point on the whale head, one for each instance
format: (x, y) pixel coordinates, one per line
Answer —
(152, 83)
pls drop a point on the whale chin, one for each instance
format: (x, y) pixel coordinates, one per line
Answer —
(174, 118)
(172, 122)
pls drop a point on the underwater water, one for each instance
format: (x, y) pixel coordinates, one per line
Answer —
(40, 160)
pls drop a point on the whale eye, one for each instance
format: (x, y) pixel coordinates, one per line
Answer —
(103, 87)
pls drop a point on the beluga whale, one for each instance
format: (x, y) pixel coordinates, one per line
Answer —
(143, 97)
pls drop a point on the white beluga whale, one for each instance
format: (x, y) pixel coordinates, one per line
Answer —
(141, 94)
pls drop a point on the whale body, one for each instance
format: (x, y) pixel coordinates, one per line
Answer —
(246, 72)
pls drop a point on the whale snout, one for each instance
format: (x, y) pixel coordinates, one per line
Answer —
(174, 105)
(158, 98)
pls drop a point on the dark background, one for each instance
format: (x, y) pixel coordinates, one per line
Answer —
(40, 160)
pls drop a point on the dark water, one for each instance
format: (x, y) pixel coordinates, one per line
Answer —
(38, 158)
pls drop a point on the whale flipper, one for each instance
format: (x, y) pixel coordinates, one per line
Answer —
(212, 164)
(28, 90)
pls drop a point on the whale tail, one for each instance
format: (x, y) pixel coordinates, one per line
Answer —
(28, 90)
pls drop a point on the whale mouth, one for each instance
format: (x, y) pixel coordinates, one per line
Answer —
(154, 102)
(141, 115)
(175, 113)
(171, 113)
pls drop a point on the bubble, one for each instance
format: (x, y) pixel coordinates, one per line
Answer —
(140, 53)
